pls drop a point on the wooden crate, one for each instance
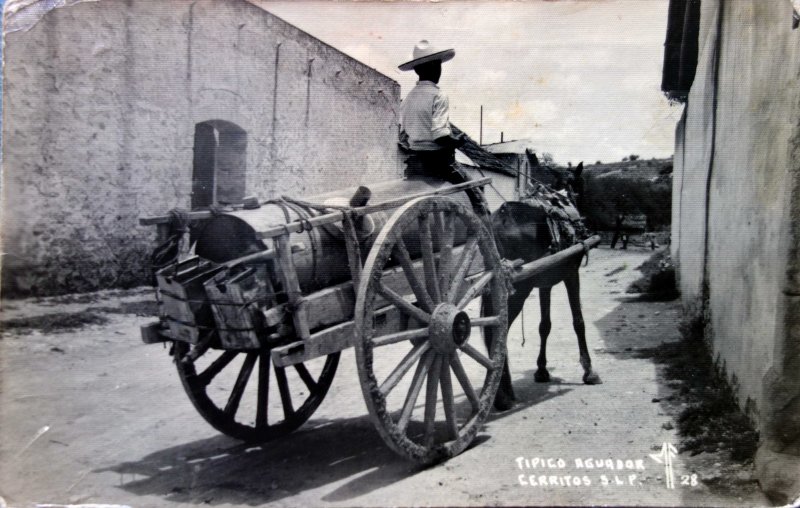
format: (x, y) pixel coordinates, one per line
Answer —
(184, 305)
(236, 300)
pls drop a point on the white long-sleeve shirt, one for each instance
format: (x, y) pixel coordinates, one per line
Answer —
(424, 116)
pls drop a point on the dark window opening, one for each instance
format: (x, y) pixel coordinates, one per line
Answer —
(220, 163)
(680, 48)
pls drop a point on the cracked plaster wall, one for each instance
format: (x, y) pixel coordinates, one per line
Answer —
(100, 105)
(753, 235)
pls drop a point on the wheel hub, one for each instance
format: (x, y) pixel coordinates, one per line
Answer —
(449, 328)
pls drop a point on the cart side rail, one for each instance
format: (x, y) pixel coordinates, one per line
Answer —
(328, 218)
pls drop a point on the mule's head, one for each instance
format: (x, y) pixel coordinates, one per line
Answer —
(520, 230)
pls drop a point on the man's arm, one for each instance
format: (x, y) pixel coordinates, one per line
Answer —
(403, 140)
(451, 141)
(440, 124)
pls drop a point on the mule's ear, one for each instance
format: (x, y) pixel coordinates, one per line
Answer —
(578, 170)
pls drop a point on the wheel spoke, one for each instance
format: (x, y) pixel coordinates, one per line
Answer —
(463, 380)
(413, 393)
(241, 383)
(428, 261)
(403, 304)
(475, 289)
(392, 338)
(477, 356)
(403, 367)
(305, 376)
(235, 397)
(470, 248)
(283, 388)
(419, 290)
(486, 321)
(446, 251)
(450, 265)
(447, 399)
(430, 400)
(216, 367)
(264, 362)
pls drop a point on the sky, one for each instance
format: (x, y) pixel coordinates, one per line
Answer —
(581, 79)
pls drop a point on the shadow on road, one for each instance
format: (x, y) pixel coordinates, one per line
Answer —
(323, 453)
(223, 470)
(530, 393)
(701, 406)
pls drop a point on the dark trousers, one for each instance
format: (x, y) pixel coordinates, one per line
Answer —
(441, 164)
(617, 235)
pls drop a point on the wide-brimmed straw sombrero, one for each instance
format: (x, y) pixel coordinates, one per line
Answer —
(425, 52)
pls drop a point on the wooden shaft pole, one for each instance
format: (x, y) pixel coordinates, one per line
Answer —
(541, 266)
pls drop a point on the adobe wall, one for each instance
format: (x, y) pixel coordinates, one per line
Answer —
(757, 112)
(690, 169)
(100, 105)
(750, 263)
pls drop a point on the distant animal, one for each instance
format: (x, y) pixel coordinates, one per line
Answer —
(521, 232)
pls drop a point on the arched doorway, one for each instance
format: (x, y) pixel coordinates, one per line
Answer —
(220, 163)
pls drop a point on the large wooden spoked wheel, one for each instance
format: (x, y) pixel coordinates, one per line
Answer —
(244, 395)
(439, 304)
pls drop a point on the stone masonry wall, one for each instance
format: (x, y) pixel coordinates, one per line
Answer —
(101, 100)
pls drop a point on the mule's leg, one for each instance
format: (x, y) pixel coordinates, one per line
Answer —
(505, 393)
(572, 281)
(541, 375)
(505, 398)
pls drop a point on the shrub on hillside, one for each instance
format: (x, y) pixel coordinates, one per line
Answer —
(607, 195)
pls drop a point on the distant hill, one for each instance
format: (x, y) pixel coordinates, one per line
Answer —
(648, 169)
(638, 187)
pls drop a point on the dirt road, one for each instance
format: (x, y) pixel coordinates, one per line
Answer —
(89, 414)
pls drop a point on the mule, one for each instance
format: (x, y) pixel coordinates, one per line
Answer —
(521, 232)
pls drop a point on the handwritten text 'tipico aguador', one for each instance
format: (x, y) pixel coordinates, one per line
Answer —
(546, 472)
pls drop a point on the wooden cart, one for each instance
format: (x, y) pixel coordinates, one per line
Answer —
(412, 280)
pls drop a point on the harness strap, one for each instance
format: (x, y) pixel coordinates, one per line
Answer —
(349, 230)
(300, 208)
(304, 214)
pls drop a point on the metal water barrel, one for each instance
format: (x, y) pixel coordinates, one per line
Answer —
(323, 260)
